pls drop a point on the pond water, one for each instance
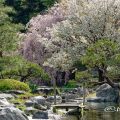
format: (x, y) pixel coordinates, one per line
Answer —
(98, 111)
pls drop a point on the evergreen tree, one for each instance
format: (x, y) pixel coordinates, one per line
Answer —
(25, 9)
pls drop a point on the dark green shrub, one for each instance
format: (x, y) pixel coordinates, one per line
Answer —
(71, 84)
(33, 87)
(11, 84)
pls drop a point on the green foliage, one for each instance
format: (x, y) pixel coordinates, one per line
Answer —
(102, 52)
(27, 95)
(82, 75)
(33, 87)
(48, 3)
(11, 65)
(11, 84)
(19, 68)
(9, 37)
(21, 107)
(71, 84)
(8, 30)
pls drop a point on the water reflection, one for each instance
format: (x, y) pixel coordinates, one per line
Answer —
(96, 113)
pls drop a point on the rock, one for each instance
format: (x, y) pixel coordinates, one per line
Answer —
(12, 113)
(30, 110)
(40, 107)
(51, 99)
(29, 103)
(48, 104)
(39, 100)
(44, 89)
(17, 92)
(7, 96)
(107, 93)
(81, 92)
(74, 112)
(40, 115)
(4, 102)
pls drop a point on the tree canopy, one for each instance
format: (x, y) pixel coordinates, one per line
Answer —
(90, 34)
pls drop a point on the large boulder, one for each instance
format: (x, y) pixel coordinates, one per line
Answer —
(12, 113)
(39, 100)
(40, 115)
(107, 93)
(29, 103)
(30, 110)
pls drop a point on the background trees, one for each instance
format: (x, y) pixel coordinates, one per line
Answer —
(11, 64)
(9, 38)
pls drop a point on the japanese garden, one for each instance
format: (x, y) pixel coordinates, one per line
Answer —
(59, 59)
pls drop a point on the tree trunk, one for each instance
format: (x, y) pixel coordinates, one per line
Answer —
(54, 87)
(111, 83)
(101, 75)
(84, 93)
(1, 54)
(108, 81)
